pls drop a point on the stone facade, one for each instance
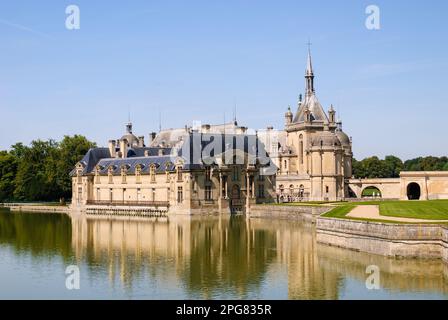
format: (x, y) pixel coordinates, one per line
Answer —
(313, 154)
(175, 176)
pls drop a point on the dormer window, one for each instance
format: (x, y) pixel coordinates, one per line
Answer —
(152, 173)
(124, 172)
(179, 174)
(110, 172)
(97, 174)
(138, 173)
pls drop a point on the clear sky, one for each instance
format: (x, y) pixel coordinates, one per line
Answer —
(194, 60)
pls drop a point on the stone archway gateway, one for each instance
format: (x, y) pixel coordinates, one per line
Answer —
(371, 192)
(413, 191)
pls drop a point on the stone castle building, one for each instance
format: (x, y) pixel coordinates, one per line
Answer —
(188, 171)
(313, 154)
(228, 168)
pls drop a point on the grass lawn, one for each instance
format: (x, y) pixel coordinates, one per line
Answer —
(430, 210)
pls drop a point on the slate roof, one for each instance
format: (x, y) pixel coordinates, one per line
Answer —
(317, 112)
(188, 150)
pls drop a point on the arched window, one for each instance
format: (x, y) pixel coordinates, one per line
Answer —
(291, 189)
(301, 191)
(281, 188)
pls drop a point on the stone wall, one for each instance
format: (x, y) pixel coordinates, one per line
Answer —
(393, 240)
(39, 208)
(309, 213)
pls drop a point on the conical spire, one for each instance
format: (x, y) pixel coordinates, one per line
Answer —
(309, 64)
(309, 75)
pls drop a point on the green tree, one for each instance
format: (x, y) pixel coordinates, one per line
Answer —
(8, 170)
(70, 151)
(394, 166)
(32, 180)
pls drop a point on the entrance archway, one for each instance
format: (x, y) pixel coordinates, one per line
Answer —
(235, 192)
(413, 191)
(371, 192)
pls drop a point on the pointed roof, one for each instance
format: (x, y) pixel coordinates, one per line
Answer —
(309, 64)
(315, 108)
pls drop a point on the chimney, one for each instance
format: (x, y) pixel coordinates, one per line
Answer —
(152, 136)
(141, 141)
(124, 148)
(112, 149)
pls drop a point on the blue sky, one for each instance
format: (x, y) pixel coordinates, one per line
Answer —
(193, 60)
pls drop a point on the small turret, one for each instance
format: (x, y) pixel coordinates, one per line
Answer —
(288, 116)
(332, 115)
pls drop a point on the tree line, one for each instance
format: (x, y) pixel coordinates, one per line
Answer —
(391, 166)
(40, 171)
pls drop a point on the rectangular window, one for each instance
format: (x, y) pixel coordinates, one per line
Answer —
(208, 193)
(111, 178)
(111, 195)
(79, 195)
(98, 194)
(79, 179)
(179, 174)
(180, 195)
(153, 194)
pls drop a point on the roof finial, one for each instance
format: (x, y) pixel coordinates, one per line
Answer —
(309, 67)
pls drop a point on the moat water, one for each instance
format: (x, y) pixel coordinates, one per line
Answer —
(200, 258)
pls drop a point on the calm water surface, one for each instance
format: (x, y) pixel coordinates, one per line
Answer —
(200, 258)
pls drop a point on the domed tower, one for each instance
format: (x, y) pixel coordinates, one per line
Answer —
(319, 158)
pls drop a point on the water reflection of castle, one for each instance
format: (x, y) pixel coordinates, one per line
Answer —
(208, 255)
(227, 257)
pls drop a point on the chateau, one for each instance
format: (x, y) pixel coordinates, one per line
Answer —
(187, 171)
(228, 168)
